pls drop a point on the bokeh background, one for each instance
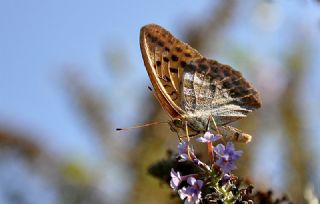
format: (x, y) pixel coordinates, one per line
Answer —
(71, 72)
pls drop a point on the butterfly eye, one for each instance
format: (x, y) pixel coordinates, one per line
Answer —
(178, 123)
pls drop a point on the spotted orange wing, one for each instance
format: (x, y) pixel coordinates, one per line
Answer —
(165, 58)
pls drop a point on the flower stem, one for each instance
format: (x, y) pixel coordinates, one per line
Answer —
(210, 152)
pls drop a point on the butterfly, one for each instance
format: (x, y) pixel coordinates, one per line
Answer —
(198, 93)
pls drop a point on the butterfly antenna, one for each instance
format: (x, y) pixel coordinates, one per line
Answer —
(140, 126)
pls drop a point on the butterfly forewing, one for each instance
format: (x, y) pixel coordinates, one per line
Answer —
(165, 58)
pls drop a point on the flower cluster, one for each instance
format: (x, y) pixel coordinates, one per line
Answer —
(214, 183)
(195, 181)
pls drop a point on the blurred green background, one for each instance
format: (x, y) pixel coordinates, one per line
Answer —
(71, 72)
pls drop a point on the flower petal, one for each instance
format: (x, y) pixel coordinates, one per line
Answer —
(219, 149)
(182, 193)
(191, 180)
(201, 139)
(199, 183)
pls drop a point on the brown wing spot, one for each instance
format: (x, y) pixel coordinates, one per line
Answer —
(252, 101)
(190, 68)
(212, 87)
(203, 60)
(243, 92)
(236, 135)
(187, 54)
(167, 49)
(236, 83)
(226, 72)
(158, 63)
(217, 77)
(236, 74)
(203, 68)
(214, 70)
(235, 94)
(160, 43)
(208, 77)
(227, 85)
(183, 64)
(174, 58)
(178, 49)
(173, 70)
(167, 78)
(166, 59)
(153, 39)
(217, 74)
(215, 67)
(246, 92)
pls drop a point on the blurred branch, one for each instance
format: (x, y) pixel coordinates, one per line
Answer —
(15, 140)
(200, 33)
(299, 156)
(89, 104)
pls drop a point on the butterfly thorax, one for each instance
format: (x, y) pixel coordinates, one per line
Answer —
(194, 127)
(197, 123)
(198, 120)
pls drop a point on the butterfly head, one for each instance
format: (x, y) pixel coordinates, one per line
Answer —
(176, 125)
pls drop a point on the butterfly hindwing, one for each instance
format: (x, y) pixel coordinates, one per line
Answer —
(211, 88)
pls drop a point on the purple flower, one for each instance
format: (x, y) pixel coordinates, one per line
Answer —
(175, 179)
(225, 179)
(226, 156)
(183, 151)
(192, 193)
(208, 137)
(182, 147)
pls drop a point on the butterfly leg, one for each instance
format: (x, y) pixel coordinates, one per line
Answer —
(214, 123)
(217, 129)
(179, 138)
(188, 139)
